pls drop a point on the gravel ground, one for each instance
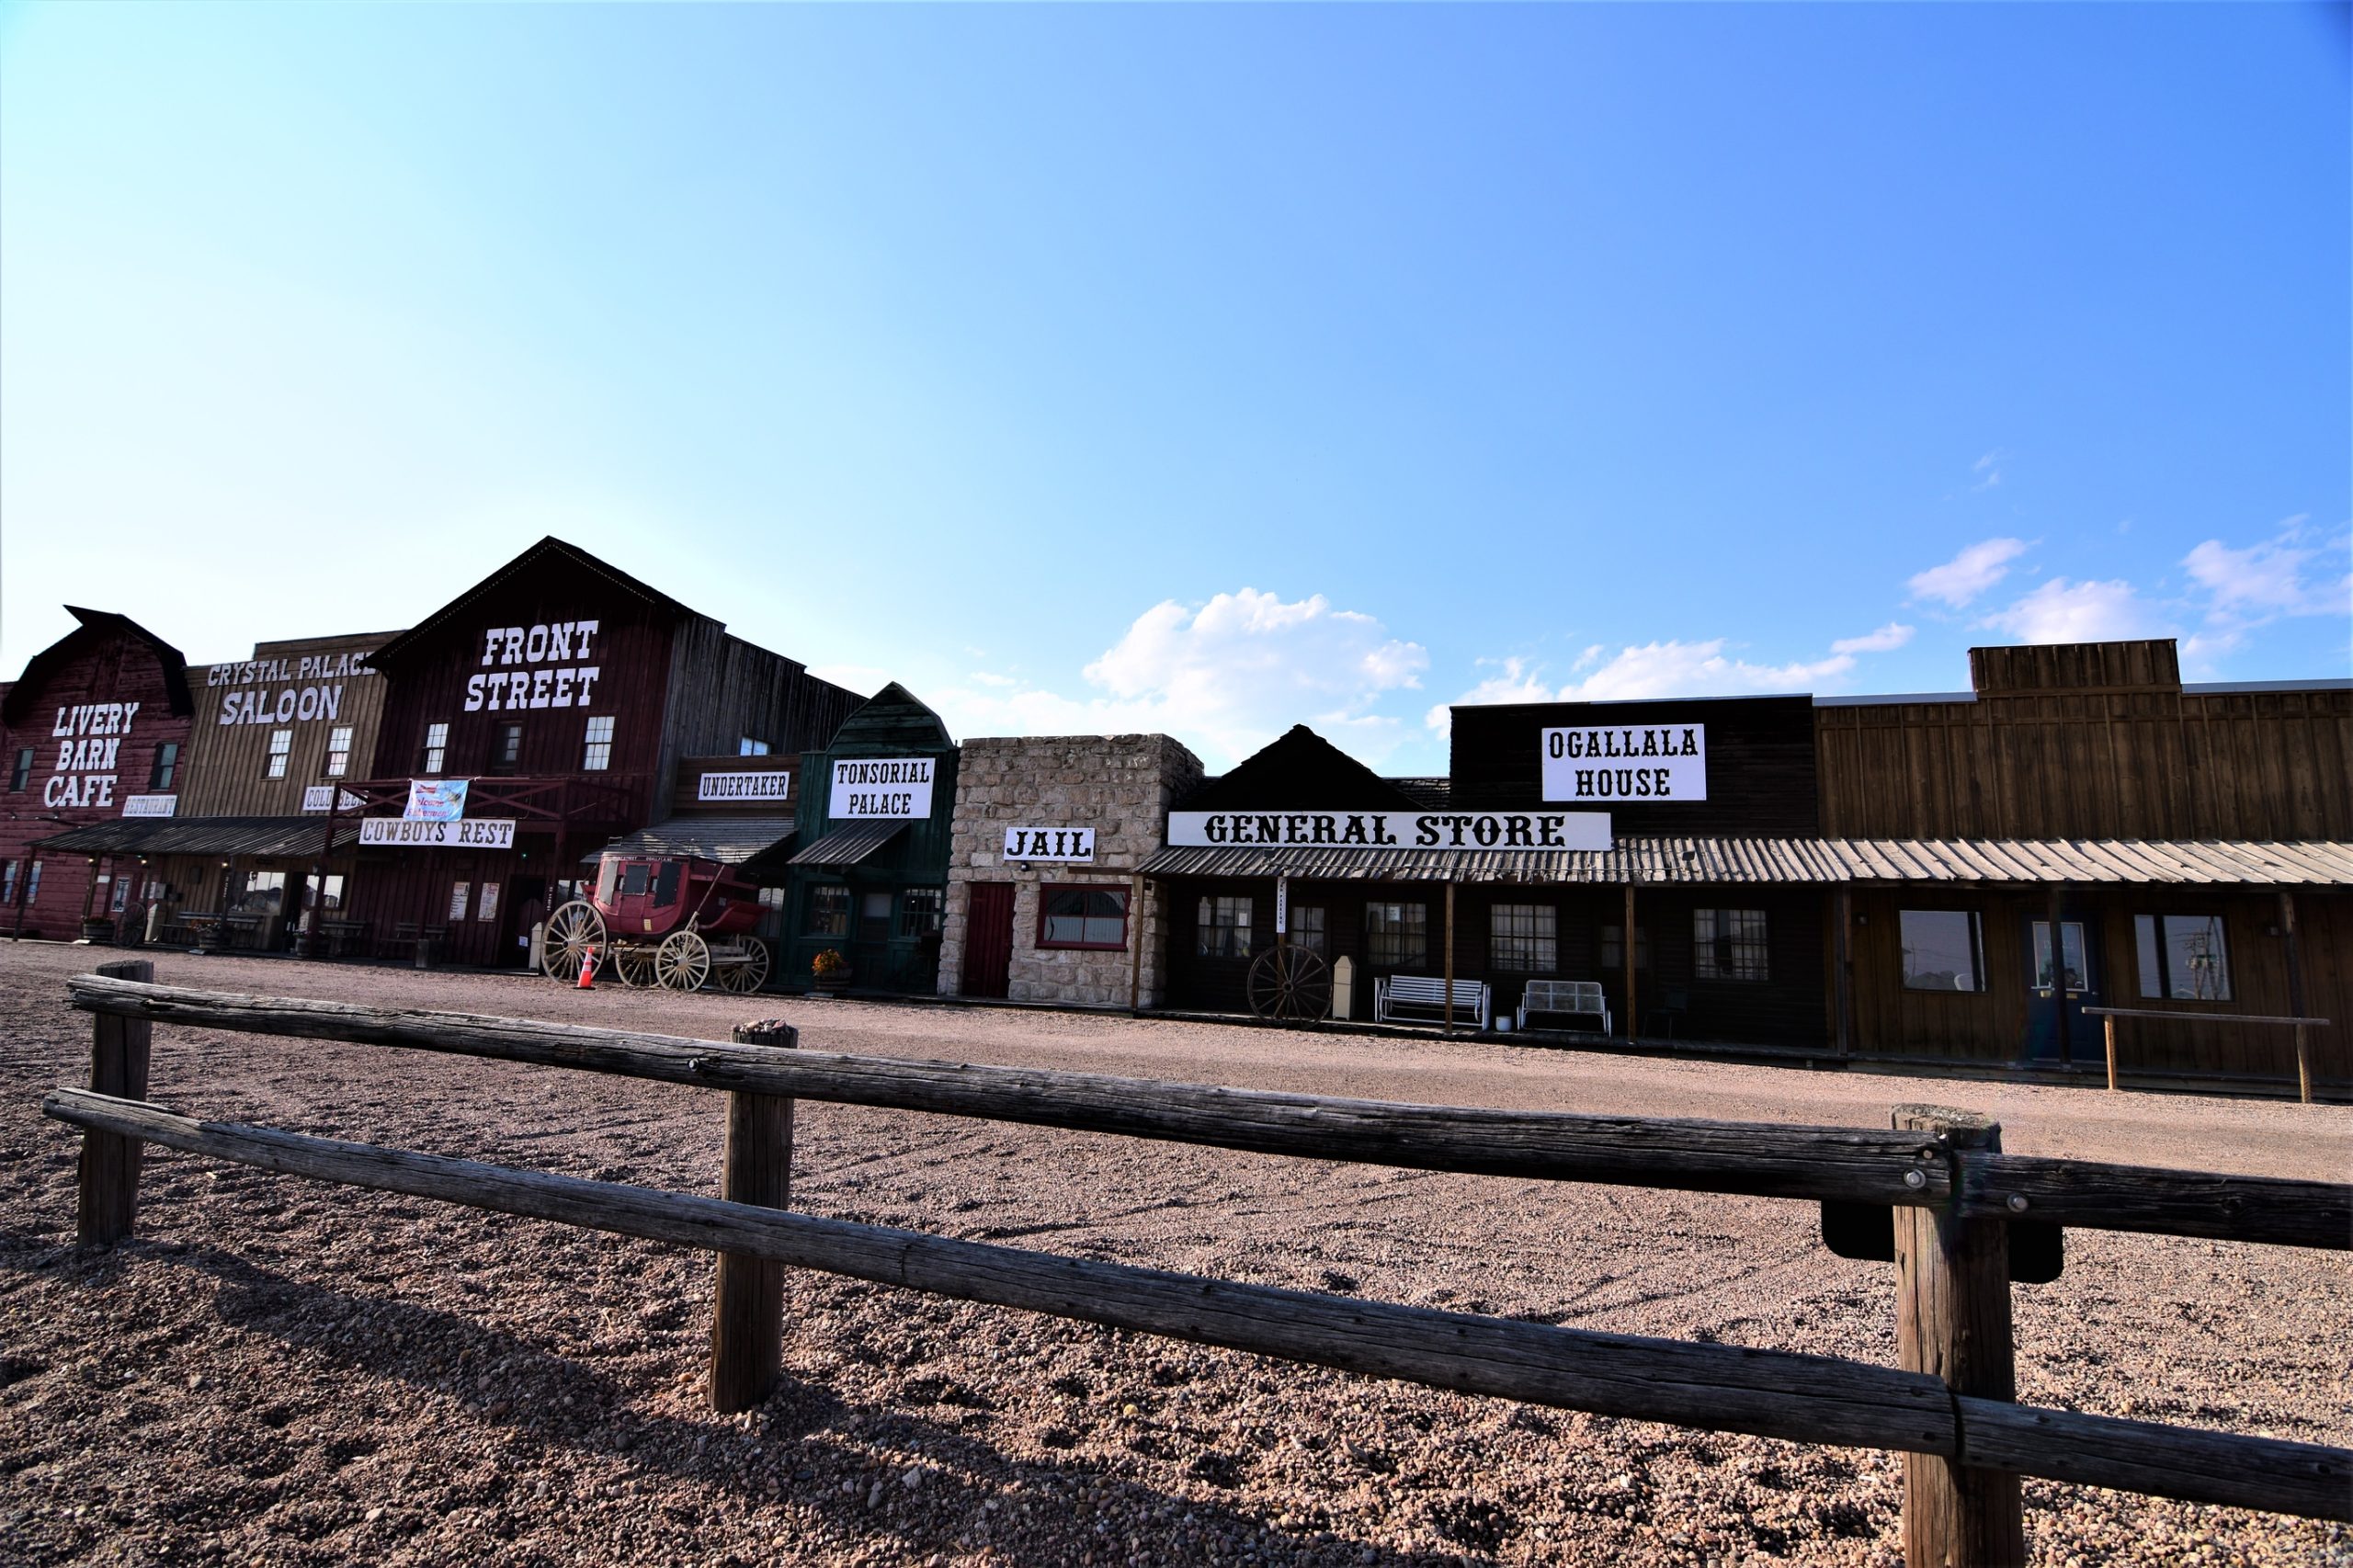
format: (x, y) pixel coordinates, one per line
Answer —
(281, 1371)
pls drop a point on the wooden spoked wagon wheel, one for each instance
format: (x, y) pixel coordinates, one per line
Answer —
(748, 975)
(572, 929)
(683, 961)
(1290, 983)
(634, 965)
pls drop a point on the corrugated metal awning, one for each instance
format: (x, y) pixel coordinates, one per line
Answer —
(849, 845)
(279, 837)
(1821, 862)
(730, 840)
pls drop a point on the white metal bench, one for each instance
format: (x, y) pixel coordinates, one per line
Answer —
(1473, 998)
(1568, 998)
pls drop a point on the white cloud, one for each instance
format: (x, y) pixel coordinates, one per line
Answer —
(2267, 578)
(1225, 677)
(1988, 470)
(2062, 611)
(1886, 640)
(1970, 574)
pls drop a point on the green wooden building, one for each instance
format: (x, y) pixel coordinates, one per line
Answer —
(870, 878)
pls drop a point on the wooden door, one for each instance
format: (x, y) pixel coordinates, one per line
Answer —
(988, 941)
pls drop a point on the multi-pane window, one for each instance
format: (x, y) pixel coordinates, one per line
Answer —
(829, 910)
(747, 747)
(1943, 949)
(1613, 947)
(1524, 937)
(1728, 944)
(165, 768)
(486, 907)
(32, 883)
(597, 754)
(507, 748)
(436, 749)
(281, 749)
(1082, 917)
(922, 911)
(2182, 957)
(120, 898)
(1223, 928)
(1307, 928)
(21, 772)
(458, 896)
(338, 751)
(772, 913)
(8, 882)
(1396, 936)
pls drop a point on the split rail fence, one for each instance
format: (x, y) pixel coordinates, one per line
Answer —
(1949, 1195)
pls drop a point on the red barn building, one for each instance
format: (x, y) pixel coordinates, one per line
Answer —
(94, 730)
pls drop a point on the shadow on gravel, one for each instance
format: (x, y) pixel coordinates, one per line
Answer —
(796, 1448)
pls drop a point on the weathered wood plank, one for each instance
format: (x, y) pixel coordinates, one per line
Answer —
(2096, 1196)
(1716, 1387)
(747, 1293)
(1863, 1164)
(1776, 1394)
(106, 1199)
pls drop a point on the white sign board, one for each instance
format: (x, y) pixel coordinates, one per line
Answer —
(150, 805)
(1074, 845)
(744, 786)
(898, 787)
(1389, 830)
(473, 832)
(316, 797)
(1627, 761)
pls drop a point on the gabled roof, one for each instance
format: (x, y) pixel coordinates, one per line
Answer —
(97, 624)
(537, 558)
(1302, 768)
(891, 716)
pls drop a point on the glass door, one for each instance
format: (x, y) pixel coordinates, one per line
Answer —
(2075, 988)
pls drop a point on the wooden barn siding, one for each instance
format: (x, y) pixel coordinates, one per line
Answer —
(111, 669)
(229, 777)
(1761, 763)
(723, 689)
(395, 886)
(2148, 764)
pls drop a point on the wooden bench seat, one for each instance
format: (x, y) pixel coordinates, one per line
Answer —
(1565, 998)
(1427, 994)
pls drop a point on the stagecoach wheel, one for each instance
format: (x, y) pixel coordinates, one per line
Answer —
(1290, 983)
(572, 929)
(683, 961)
(634, 965)
(752, 973)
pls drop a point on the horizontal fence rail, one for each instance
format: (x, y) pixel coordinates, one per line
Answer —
(1769, 1392)
(1836, 1164)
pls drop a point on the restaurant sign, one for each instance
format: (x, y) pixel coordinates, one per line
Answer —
(1073, 844)
(1627, 761)
(892, 787)
(1389, 830)
(473, 833)
(744, 786)
(436, 800)
(150, 805)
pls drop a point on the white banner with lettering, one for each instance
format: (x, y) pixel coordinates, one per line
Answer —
(1075, 846)
(470, 832)
(1389, 830)
(893, 787)
(1627, 761)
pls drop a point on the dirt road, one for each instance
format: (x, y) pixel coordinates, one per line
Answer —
(280, 1372)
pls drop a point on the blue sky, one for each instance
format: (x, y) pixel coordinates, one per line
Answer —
(1200, 369)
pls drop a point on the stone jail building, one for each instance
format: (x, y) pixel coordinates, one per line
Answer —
(1044, 903)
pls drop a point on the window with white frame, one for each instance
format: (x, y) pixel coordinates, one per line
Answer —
(1307, 928)
(597, 754)
(1222, 927)
(1524, 937)
(282, 750)
(746, 746)
(436, 749)
(2182, 957)
(338, 751)
(1728, 944)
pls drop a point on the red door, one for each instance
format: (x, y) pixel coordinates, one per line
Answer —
(988, 940)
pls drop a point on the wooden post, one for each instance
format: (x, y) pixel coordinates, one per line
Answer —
(2296, 997)
(118, 1050)
(2109, 1024)
(1135, 940)
(747, 1301)
(2059, 979)
(1450, 957)
(1626, 951)
(1844, 988)
(1952, 1318)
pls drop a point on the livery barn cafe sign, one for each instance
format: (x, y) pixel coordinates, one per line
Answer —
(1389, 830)
(893, 788)
(1627, 761)
(92, 733)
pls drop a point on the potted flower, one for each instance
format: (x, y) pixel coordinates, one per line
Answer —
(830, 972)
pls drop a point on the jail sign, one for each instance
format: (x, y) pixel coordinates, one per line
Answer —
(1075, 846)
(1626, 762)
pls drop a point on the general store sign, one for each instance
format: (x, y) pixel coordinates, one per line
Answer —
(1627, 761)
(1073, 845)
(320, 797)
(436, 800)
(473, 833)
(1389, 830)
(891, 786)
(745, 787)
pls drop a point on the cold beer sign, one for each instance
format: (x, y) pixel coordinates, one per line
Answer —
(1627, 761)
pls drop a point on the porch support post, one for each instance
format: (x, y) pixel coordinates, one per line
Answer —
(1843, 980)
(315, 938)
(2296, 996)
(1449, 956)
(1626, 953)
(1135, 940)
(2059, 978)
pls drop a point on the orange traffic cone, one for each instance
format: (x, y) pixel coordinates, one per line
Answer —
(588, 971)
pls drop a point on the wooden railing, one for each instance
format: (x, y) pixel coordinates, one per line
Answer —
(2108, 1017)
(1952, 1196)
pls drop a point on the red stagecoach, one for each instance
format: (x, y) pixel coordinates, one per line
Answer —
(679, 922)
